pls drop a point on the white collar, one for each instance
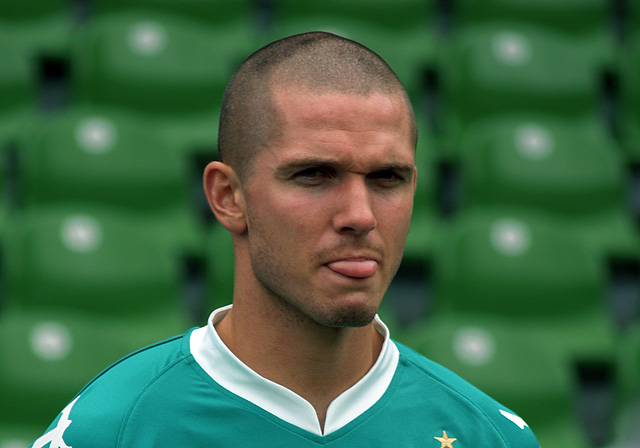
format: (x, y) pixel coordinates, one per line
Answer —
(227, 370)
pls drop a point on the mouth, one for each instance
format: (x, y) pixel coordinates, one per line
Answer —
(356, 267)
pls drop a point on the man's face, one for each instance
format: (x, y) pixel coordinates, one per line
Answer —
(329, 204)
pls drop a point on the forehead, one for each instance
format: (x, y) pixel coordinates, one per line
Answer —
(374, 128)
(303, 107)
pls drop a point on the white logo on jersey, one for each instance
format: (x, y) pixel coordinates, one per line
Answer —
(55, 435)
(514, 418)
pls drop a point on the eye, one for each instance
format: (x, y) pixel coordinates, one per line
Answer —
(387, 178)
(314, 175)
(309, 173)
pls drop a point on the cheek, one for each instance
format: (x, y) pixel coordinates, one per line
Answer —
(298, 213)
(395, 218)
(283, 225)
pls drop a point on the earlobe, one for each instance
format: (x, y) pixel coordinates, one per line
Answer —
(226, 198)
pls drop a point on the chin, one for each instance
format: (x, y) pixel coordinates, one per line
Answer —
(349, 316)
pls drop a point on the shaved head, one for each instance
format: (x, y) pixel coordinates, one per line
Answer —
(318, 62)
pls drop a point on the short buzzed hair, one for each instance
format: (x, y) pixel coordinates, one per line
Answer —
(319, 62)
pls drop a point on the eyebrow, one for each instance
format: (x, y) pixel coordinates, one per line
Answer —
(403, 168)
(301, 164)
(311, 162)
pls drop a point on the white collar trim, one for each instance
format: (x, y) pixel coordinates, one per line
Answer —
(227, 370)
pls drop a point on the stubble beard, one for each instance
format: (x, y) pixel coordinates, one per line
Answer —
(301, 305)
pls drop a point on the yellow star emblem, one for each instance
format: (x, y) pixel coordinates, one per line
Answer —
(447, 442)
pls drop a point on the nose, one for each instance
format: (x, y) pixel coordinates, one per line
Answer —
(354, 207)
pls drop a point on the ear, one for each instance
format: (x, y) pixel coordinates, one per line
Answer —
(226, 198)
(415, 179)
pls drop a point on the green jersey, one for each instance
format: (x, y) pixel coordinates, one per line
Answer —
(191, 391)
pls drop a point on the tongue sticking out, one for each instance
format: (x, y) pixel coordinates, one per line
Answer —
(354, 268)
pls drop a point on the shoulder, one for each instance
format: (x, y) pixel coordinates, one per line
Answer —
(465, 405)
(102, 407)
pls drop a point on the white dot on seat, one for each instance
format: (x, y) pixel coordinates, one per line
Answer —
(511, 49)
(51, 341)
(534, 141)
(510, 237)
(147, 39)
(473, 346)
(15, 443)
(81, 234)
(96, 135)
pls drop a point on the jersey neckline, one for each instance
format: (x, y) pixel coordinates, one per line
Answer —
(228, 371)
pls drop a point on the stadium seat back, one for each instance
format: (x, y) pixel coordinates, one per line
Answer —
(88, 259)
(578, 17)
(16, 435)
(564, 167)
(502, 68)
(394, 15)
(220, 268)
(29, 34)
(156, 63)
(19, 70)
(104, 159)
(516, 264)
(30, 11)
(629, 96)
(209, 12)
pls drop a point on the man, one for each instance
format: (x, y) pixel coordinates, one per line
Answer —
(315, 183)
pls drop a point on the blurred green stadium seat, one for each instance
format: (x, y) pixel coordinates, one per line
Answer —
(47, 355)
(13, 11)
(17, 435)
(572, 169)
(578, 17)
(101, 157)
(156, 63)
(398, 15)
(91, 259)
(628, 374)
(517, 263)
(34, 36)
(29, 49)
(628, 359)
(567, 167)
(18, 72)
(631, 13)
(28, 36)
(502, 68)
(219, 268)
(424, 218)
(208, 12)
(629, 95)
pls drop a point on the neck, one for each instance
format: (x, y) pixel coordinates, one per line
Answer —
(316, 362)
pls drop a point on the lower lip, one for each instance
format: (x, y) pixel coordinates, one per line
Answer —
(358, 269)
